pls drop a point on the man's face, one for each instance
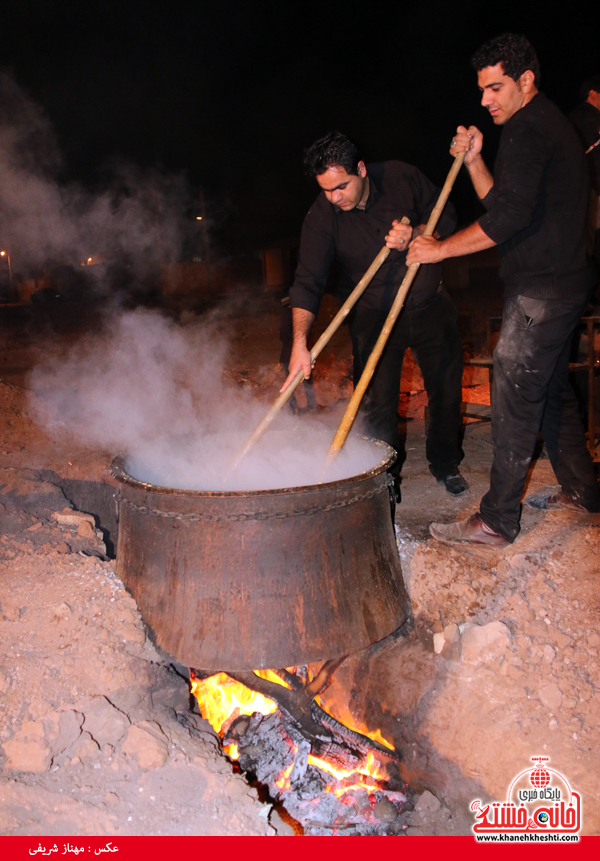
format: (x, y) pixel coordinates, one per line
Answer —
(343, 188)
(502, 96)
(594, 99)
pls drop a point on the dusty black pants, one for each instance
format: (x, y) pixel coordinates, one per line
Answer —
(431, 332)
(531, 392)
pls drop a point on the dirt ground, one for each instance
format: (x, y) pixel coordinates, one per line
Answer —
(96, 733)
(503, 662)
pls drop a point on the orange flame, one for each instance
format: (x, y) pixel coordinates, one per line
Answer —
(371, 768)
(283, 781)
(222, 699)
(232, 750)
(344, 716)
(367, 775)
(270, 676)
(375, 735)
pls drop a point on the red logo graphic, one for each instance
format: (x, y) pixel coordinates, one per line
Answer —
(539, 800)
(540, 776)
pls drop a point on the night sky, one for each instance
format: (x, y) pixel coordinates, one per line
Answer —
(230, 92)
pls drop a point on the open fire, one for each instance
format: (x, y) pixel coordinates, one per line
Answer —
(330, 778)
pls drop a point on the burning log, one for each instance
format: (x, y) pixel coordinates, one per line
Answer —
(341, 790)
(326, 775)
(324, 731)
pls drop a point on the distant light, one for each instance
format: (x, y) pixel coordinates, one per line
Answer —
(2, 253)
(198, 218)
(89, 260)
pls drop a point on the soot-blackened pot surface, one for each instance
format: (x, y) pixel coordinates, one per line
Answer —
(262, 579)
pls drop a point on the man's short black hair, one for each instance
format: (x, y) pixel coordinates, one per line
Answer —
(592, 83)
(514, 51)
(332, 150)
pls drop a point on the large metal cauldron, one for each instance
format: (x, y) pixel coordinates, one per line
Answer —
(262, 579)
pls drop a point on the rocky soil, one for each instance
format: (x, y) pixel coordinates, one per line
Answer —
(97, 736)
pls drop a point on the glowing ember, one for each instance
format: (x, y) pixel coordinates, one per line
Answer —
(371, 768)
(366, 776)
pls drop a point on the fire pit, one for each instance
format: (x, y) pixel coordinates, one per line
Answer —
(330, 778)
(247, 580)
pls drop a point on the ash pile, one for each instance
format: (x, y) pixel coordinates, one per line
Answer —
(323, 802)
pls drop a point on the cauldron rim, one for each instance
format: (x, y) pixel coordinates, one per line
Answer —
(119, 472)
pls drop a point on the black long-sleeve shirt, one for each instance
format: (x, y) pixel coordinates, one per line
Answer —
(356, 236)
(537, 207)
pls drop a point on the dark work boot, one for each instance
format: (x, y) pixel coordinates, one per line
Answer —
(455, 484)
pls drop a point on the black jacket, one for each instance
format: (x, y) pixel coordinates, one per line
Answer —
(355, 238)
(537, 207)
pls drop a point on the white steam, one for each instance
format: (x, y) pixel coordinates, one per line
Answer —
(153, 390)
(143, 385)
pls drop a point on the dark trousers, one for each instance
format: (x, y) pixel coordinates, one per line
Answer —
(431, 332)
(531, 392)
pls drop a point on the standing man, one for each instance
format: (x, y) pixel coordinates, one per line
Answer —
(536, 206)
(359, 209)
(586, 119)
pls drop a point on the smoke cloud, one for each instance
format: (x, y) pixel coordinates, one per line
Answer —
(153, 389)
(137, 217)
(143, 385)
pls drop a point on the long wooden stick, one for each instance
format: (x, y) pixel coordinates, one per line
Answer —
(352, 409)
(316, 350)
(593, 146)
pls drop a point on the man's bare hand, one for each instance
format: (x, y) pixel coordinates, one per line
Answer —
(424, 249)
(399, 235)
(299, 361)
(467, 140)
